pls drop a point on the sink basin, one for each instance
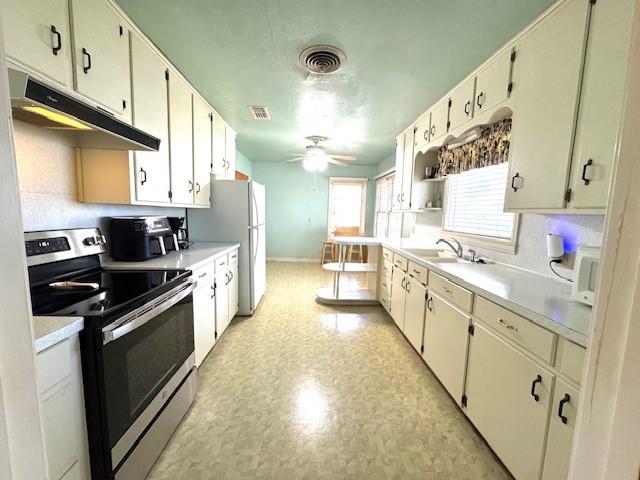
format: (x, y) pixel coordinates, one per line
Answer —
(446, 260)
(424, 252)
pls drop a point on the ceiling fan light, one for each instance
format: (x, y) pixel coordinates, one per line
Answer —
(315, 163)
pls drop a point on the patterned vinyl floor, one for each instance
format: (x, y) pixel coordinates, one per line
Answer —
(305, 391)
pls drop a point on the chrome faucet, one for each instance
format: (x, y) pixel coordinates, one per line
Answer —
(457, 249)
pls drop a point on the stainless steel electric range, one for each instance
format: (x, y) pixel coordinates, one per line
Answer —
(137, 345)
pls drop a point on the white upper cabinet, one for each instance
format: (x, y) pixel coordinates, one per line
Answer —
(397, 179)
(150, 113)
(407, 170)
(37, 35)
(230, 153)
(202, 122)
(439, 119)
(601, 103)
(547, 76)
(219, 146)
(101, 55)
(423, 124)
(180, 140)
(493, 82)
(462, 103)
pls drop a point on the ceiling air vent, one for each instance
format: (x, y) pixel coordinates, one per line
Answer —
(259, 113)
(322, 59)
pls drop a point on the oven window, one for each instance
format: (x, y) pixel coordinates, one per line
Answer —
(138, 365)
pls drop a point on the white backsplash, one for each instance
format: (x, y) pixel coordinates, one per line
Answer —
(47, 178)
(531, 253)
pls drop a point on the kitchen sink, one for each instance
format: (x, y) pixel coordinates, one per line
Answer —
(424, 252)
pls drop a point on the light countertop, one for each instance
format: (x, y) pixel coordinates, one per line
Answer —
(355, 240)
(48, 331)
(541, 299)
(198, 254)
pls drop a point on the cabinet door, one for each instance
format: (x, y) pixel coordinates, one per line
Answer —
(180, 140)
(201, 151)
(219, 146)
(230, 153)
(546, 78)
(500, 389)
(439, 120)
(37, 35)
(601, 101)
(423, 124)
(462, 103)
(446, 336)
(397, 179)
(560, 437)
(58, 423)
(204, 319)
(151, 114)
(407, 170)
(222, 298)
(492, 83)
(101, 54)
(414, 313)
(398, 279)
(233, 291)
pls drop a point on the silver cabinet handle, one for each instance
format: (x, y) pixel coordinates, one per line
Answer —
(190, 186)
(212, 291)
(507, 325)
(197, 188)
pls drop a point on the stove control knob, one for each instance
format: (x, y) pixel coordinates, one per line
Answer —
(89, 241)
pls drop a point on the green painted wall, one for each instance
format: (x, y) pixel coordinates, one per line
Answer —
(297, 215)
(243, 164)
(386, 164)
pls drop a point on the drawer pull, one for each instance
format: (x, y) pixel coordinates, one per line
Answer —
(430, 304)
(402, 282)
(447, 290)
(416, 271)
(202, 275)
(565, 399)
(506, 325)
(384, 285)
(536, 381)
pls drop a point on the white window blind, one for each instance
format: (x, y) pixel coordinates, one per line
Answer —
(474, 202)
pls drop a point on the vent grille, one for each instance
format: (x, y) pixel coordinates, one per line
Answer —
(259, 113)
(322, 59)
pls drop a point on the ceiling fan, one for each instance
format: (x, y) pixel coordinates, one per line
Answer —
(316, 158)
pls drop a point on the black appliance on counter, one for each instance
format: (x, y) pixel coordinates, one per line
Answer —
(179, 230)
(137, 345)
(135, 239)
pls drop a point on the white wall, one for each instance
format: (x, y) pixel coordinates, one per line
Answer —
(531, 253)
(46, 173)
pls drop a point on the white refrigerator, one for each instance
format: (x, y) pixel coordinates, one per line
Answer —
(237, 214)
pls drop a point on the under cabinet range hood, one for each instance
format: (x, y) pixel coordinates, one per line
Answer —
(36, 102)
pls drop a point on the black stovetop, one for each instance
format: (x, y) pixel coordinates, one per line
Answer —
(118, 292)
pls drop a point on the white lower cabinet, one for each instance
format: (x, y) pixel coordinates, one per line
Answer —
(398, 279)
(508, 397)
(59, 375)
(204, 312)
(233, 285)
(561, 427)
(222, 295)
(446, 336)
(414, 308)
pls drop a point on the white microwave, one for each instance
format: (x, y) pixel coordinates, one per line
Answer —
(586, 274)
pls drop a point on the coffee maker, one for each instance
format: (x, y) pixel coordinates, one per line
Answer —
(137, 239)
(179, 230)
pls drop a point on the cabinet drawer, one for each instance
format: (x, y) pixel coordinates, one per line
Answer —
(461, 297)
(53, 365)
(570, 359)
(221, 264)
(387, 254)
(233, 258)
(535, 339)
(385, 286)
(384, 300)
(386, 270)
(418, 272)
(204, 273)
(400, 262)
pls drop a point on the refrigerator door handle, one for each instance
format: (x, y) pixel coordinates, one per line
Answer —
(256, 221)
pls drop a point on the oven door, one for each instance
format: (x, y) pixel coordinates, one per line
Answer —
(145, 357)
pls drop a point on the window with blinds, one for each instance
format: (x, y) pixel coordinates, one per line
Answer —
(474, 202)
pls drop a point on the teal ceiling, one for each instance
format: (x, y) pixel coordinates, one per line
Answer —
(401, 57)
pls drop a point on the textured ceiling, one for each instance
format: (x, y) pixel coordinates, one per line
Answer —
(401, 56)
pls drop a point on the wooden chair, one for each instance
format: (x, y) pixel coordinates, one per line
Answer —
(328, 250)
(357, 249)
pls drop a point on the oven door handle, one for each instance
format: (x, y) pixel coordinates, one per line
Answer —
(144, 314)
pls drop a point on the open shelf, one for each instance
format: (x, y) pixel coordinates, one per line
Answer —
(347, 296)
(349, 267)
(420, 210)
(432, 180)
